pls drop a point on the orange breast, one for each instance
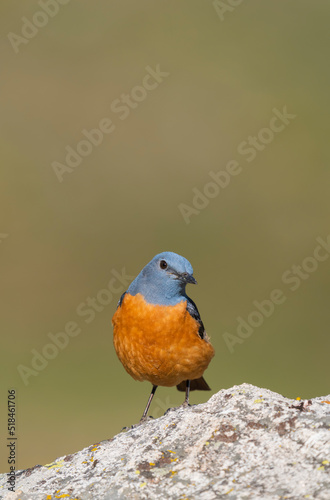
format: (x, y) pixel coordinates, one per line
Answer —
(159, 343)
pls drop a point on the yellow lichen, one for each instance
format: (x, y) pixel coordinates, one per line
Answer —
(55, 464)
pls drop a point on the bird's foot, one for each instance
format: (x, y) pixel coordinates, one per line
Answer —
(126, 429)
(144, 420)
(185, 404)
(134, 426)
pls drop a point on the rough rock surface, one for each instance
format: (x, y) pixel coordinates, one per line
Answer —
(244, 443)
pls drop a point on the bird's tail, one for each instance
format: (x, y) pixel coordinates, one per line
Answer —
(198, 384)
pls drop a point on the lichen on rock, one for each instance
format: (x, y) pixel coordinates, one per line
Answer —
(244, 443)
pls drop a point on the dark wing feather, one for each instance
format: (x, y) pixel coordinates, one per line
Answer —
(193, 311)
(121, 299)
(198, 384)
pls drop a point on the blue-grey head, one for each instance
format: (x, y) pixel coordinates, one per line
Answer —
(163, 280)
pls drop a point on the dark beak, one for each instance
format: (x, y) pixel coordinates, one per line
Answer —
(188, 278)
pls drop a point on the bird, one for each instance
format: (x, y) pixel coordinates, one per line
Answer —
(158, 333)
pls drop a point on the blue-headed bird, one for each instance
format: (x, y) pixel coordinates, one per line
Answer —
(157, 330)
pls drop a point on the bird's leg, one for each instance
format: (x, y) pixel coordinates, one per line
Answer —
(186, 401)
(144, 416)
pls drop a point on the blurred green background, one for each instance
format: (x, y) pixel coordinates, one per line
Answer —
(119, 207)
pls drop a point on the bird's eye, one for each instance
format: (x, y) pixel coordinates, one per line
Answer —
(163, 264)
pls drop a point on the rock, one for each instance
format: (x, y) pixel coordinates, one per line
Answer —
(244, 443)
